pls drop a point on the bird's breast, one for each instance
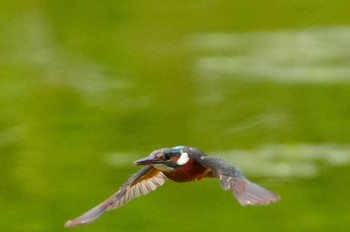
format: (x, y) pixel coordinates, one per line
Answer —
(190, 171)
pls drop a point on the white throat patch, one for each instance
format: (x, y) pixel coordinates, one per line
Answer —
(183, 158)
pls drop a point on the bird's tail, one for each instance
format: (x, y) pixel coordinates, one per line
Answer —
(248, 193)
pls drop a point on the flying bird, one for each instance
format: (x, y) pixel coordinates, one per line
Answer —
(180, 164)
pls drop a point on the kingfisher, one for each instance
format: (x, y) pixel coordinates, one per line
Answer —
(180, 164)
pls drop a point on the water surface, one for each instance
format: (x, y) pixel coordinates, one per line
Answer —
(87, 88)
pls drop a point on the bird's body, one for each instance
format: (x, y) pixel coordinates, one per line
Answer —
(180, 164)
(191, 171)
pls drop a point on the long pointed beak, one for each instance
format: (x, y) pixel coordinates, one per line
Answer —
(148, 161)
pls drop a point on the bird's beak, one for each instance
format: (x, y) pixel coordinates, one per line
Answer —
(148, 161)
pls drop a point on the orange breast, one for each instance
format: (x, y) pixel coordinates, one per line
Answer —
(190, 171)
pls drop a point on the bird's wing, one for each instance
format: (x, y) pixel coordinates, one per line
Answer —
(246, 192)
(141, 183)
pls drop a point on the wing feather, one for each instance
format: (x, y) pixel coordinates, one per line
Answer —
(245, 191)
(141, 183)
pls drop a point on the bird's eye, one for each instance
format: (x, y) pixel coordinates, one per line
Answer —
(167, 156)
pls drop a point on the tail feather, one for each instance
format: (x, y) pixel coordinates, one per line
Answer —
(248, 193)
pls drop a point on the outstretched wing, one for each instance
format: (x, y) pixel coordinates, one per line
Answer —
(246, 192)
(141, 183)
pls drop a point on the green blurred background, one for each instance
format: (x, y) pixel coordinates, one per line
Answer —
(87, 87)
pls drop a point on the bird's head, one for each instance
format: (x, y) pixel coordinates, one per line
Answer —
(166, 159)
